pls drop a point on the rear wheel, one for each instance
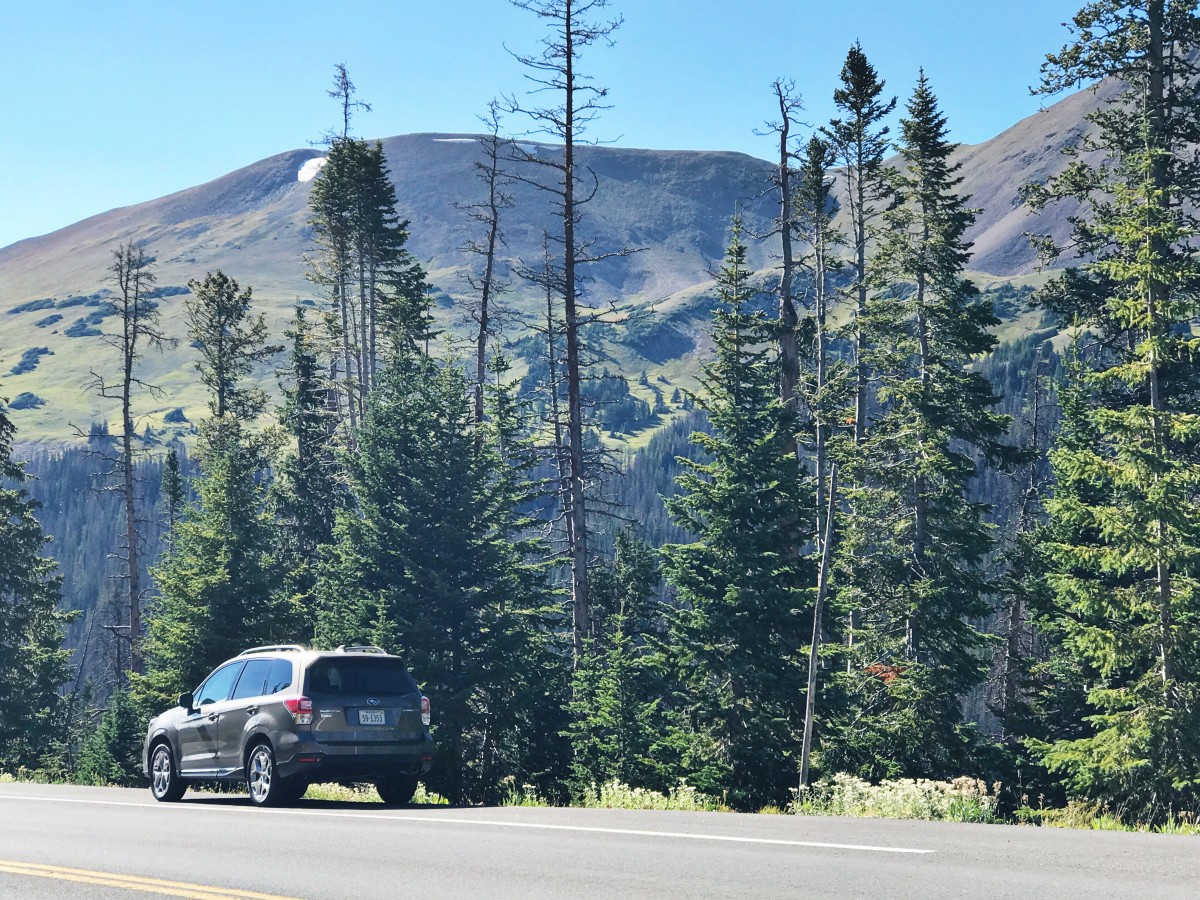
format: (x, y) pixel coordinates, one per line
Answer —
(165, 783)
(398, 790)
(262, 780)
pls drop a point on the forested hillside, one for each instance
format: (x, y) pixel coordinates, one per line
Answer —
(647, 485)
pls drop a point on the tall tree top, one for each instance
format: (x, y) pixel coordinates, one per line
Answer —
(861, 93)
(343, 91)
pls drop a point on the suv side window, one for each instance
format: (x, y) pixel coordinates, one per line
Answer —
(219, 684)
(253, 680)
(280, 676)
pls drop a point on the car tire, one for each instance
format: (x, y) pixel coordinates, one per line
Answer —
(165, 783)
(398, 790)
(265, 785)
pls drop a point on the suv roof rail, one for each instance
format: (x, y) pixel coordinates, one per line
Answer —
(359, 648)
(274, 648)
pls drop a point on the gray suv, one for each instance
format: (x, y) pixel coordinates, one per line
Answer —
(283, 717)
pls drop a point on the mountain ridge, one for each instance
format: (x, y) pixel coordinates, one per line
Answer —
(672, 205)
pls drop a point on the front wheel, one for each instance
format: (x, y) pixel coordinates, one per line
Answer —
(262, 780)
(398, 790)
(165, 783)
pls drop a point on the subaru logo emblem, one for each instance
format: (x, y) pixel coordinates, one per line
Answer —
(373, 701)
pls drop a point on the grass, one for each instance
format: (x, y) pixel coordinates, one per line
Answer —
(1085, 816)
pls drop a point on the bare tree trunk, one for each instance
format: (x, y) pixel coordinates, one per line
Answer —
(920, 485)
(343, 302)
(810, 700)
(789, 356)
(1156, 296)
(819, 424)
(577, 511)
(562, 464)
(485, 291)
(133, 574)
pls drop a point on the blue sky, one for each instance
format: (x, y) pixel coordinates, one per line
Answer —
(108, 104)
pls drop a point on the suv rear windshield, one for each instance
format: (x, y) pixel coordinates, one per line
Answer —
(343, 677)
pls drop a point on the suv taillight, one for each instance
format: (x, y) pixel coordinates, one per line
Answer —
(424, 710)
(300, 708)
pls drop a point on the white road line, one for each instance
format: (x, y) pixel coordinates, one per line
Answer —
(495, 823)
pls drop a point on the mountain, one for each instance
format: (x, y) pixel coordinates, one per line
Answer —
(672, 206)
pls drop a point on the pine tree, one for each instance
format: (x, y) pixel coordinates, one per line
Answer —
(231, 342)
(218, 580)
(860, 141)
(32, 661)
(430, 564)
(174, 488)
(621, 716)
(737, 626)
(377, 290)
(1124, 523)
(306, 495)
(112, 753)
(915, 544)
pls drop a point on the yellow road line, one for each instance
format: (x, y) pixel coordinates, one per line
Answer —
(133, 882)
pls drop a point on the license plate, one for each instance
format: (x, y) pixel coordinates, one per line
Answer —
(371, 717)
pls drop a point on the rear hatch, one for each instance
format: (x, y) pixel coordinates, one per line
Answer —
(364, 700)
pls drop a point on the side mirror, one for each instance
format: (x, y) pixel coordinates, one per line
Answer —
(185, 700)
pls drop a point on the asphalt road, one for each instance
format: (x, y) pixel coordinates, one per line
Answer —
(61, 841)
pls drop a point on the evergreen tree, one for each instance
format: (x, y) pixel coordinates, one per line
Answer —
(1124, 541)
(431, 563)
(306, 494)
(915, 544)
(860, 142)
(112, 753)
(377, 289)
(620, 712)
(218, 580)
(737, 629)
(32, 661)
(174, 488)
(230, 341)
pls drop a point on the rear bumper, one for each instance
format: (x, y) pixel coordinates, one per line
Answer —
(314, 761)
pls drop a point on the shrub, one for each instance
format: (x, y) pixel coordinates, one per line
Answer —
(80, 328)
(960, 800)
(26, 400)
(113, 753)
(615, 795)
(29, 360)
(30, 306)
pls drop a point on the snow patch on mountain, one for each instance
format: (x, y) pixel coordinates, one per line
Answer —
(311, 167)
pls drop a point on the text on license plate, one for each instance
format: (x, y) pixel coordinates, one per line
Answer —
(371, 717)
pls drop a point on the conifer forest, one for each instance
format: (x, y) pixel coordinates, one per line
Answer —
(873, 538)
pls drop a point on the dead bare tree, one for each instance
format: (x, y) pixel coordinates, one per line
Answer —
(487, 212)
(572, 26)
(138, 319)
(790, 104)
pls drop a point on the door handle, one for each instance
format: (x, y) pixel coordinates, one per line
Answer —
(251, 710)
(212, 717)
